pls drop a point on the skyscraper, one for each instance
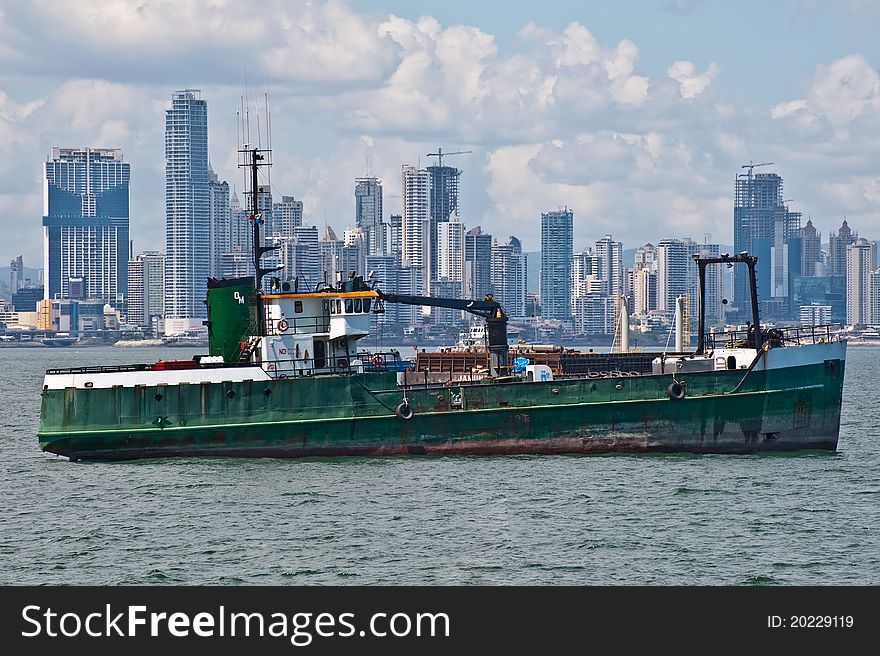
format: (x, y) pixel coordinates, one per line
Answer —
(838, 243)
(811, 249)
(368, 213)
(861, 260)
(584, 275)
(509, 276)
(556, 255)
(444, 181)
(396, 236)
(477, 264)
(287, 216)
(218, 222)
(672, 270)
(450, 250)
(85, 223)
(146, 288)
(300, 255)
(16, 274)
(761, 223)
(187, 213)
(414, 224)
(610, 261)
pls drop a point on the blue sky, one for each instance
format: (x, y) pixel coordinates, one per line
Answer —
(637, 115)
(768, 50)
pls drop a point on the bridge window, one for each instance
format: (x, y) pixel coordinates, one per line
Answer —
(298, 306)
(338, 306)
(326, 307)
(349, 306)
(358, 307)
(366, 305)
(332, 307)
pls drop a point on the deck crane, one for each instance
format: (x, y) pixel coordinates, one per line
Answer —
(488, 308)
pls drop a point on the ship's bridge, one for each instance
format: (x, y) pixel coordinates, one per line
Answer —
(333, 314)
(316, 331)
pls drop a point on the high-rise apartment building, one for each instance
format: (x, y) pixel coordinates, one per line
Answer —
(16, 274)
(330, 248)
(477, 263)
(450, 250)
(396, 236)
(509, 275)
(672, 270)
(384, 269)
(353, 256)
(645, 257)
(218, 222)
(416, 185)
(300, 255)
(287, 216)
(861, 260)
(86, 223)
(240, 234)
(873, 299)
(368, 214)
(677, 276)
(609, 254)
(187, 212)
(811, 249)
(838, 242)
(146, 288)
(584, 274)
(556, 255)
(644, 291)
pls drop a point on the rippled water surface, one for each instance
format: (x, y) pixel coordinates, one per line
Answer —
(625, 519)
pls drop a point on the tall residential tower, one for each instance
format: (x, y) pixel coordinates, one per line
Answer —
(85, 224)
(187, 212)
(556, 255)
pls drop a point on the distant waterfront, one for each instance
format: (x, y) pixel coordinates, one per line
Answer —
(805, 518)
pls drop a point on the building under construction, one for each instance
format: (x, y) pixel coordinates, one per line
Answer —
(763, 226)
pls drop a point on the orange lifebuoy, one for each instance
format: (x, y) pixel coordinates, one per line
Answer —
(377, 361)
(283, 326)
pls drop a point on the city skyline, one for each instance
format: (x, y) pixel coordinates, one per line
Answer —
(642, 138)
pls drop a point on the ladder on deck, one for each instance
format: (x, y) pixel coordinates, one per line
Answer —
(248, 349)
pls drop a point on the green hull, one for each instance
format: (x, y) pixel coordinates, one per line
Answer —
(787, 408)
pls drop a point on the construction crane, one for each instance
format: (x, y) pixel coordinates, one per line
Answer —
(439, 154)
(751, 165)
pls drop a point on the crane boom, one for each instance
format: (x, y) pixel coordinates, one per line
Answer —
(439, 154)
(488, 308)
(751, 166)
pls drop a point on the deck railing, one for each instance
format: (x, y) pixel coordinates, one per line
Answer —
(784, 336)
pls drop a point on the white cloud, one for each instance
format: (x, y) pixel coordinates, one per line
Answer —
(845, 89)
(690, 83)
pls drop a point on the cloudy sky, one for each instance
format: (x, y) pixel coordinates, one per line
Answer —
(637, 115)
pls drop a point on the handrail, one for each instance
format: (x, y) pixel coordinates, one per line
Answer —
(784, 336)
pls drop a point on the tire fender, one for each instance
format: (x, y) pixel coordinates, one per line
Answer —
(404, 411)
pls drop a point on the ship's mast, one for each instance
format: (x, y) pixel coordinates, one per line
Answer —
(254, 162)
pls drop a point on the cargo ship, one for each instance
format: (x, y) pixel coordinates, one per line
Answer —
(284, 377)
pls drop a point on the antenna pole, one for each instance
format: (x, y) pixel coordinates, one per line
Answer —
(256, 219)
